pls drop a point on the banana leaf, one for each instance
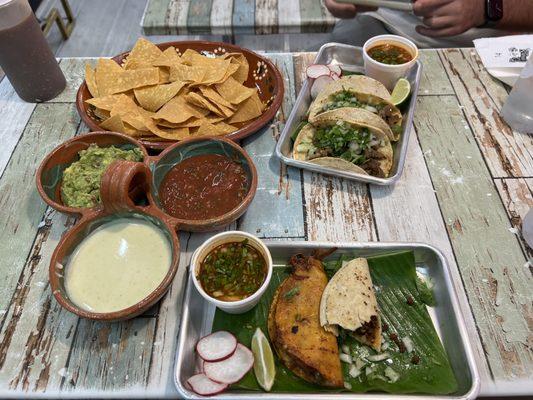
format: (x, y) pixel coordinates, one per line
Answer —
(395, 280)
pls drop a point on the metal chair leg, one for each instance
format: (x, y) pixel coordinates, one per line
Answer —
(55, 16)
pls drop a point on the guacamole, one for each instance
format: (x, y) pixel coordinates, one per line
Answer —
(81, 180)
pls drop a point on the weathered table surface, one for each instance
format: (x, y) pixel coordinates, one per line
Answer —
(467, 183)
(235, 17)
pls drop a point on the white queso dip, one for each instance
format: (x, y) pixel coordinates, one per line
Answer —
(117, 265)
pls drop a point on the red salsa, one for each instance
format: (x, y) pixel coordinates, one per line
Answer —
(203, 187)
(232, 271)
(390, 54)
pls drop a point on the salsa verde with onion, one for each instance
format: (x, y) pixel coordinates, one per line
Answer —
(390, 54)
(232, 271)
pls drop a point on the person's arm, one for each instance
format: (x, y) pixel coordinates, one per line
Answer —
(452, 17)
(344, 10)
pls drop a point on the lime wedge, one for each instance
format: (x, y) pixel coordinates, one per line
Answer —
(401, 91)
(264, 367)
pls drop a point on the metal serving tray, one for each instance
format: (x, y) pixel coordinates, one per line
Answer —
(351, 59)
(197, 320)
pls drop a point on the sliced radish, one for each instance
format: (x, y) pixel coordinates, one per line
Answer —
(335, 68)
(316, 70)
(204, 386)
(319, 84)
(216, 346)
(231, 369)
(334, 76)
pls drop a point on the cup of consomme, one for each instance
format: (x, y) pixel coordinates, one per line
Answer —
(388, 58)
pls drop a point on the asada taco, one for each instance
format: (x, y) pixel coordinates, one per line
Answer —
(361, 92)
(349, 302)
(345, 140)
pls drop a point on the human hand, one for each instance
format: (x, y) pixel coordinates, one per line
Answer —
(448, 17)
(345, 10)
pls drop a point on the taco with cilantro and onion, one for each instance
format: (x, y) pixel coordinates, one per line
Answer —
(361, 92)
(345, 139)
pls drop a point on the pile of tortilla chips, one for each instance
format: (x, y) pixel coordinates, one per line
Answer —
(164, 95)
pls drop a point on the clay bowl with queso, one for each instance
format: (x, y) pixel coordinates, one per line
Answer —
(232, 270)
(119, 259)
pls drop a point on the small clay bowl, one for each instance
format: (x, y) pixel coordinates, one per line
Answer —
(50, 172)
(160, 165)
(263, 75)
(115, 204)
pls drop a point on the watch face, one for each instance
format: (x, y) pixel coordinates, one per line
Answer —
(494, 10)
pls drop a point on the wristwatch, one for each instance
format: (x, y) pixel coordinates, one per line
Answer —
(493, 13)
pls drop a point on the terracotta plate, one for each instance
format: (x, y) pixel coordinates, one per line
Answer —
(263, 75)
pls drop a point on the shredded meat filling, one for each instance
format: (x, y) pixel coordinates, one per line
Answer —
(368, 328)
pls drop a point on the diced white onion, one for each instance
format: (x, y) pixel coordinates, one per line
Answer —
(384, 346)
(368, 370)
(354, 146)
(377, 376)
(345, 349)
(354, 372)
(371, 109)
(346, 358)
(359, 363)
(378, 357)
(409, 346)
(348, 385)
(391, 374)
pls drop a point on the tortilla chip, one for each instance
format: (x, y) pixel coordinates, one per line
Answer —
(114, 124)
(106, 102)
(208, 129)
(143, 54)
(186, 73)
(233, 91)
(232, 69)
(164, 75)
(200, 101)
(196, 122)
(168, 133)
(225, 128)
(212, 95)
(189, 55)
(249, 109)
(215, 70)
(241, 75)
(130, 113)
(101, 114)
(90, 80)
(152, 98)
(111, 82)
(177, 110)
(168, 58)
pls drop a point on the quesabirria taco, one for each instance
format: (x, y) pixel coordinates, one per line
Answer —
(346, 139)
(361, 92)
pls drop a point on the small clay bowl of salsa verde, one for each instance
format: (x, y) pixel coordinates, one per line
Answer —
(203, 183)
(232, 270)
(388, 58)
(119, 259)
(50, 174)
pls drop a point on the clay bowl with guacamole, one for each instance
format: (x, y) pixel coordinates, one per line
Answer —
(68, 179)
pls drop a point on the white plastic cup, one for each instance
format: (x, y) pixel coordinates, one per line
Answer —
(240, 306)
(386, 73)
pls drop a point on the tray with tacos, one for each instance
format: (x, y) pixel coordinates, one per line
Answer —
(336, 321)
(347, 124)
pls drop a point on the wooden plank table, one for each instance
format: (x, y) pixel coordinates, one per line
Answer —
(467, 183)
(235, 17)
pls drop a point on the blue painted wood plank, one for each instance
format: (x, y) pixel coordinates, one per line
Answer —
(244, 17)
(277, 210)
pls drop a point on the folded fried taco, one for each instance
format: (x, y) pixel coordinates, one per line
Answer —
(344, 139)
(349, 302)
(362, 92)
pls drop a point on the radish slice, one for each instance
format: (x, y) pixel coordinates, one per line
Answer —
(335, 68)
(316, 70)
(231, 369)
(319, 84)
(334, 76)
(204, 386)
(216, 346)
